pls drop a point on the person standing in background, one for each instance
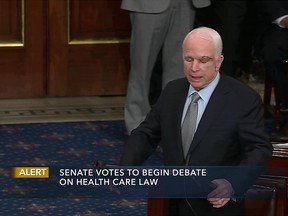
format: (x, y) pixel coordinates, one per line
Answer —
(228, 20)
(156, 25)
(273, 44)
(227, 17)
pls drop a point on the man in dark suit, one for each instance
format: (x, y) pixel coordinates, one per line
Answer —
(230, 128)
(273, 46)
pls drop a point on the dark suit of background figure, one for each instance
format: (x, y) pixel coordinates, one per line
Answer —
(273, 45)
(246, 56)
(230, 132)
(155, 24)
(227, 17)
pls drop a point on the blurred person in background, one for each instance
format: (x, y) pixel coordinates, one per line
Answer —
(273, 44)
(156, 25)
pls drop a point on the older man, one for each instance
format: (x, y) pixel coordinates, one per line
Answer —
(229, 127)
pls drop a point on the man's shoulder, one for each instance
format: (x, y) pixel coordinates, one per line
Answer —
(178, 82)
(177, 85)
(235, 85)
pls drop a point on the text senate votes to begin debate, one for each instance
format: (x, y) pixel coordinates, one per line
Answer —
(114, 172)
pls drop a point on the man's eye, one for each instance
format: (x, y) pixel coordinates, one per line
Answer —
(189, 59)
(205, 59)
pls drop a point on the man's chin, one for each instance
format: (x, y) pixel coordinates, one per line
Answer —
(196, 85)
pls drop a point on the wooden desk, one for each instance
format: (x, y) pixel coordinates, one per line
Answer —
(274, 179)
(277, 177)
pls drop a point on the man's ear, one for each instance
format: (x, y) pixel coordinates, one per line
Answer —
(219, 62)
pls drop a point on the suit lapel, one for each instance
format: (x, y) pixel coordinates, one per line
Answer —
(179, 102)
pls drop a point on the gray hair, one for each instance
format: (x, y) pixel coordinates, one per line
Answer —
(211, 34)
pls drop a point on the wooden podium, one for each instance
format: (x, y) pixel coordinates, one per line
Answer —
(273, 184)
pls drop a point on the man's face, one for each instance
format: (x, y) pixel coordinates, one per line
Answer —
(200, 62)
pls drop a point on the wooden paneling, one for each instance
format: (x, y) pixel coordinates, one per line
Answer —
(89, 49)
(63, 48)
(97, 20)
(22, 48)
(11, 21)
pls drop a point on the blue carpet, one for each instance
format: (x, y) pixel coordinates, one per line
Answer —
(68, 144)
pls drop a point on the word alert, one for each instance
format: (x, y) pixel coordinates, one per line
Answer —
(31, 172)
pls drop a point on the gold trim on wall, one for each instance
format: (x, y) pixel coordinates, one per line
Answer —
(99, 41)
(21, 42)
(91, 40)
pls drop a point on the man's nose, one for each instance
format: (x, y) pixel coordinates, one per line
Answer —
(195, 65)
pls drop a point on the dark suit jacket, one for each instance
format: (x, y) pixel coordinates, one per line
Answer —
(266, 31)
(273, 9)
(231, 130)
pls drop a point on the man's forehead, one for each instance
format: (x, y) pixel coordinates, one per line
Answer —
(201, 36)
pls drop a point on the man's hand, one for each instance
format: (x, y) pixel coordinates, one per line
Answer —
(221, 194)
(102, 164)
(284, 22)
